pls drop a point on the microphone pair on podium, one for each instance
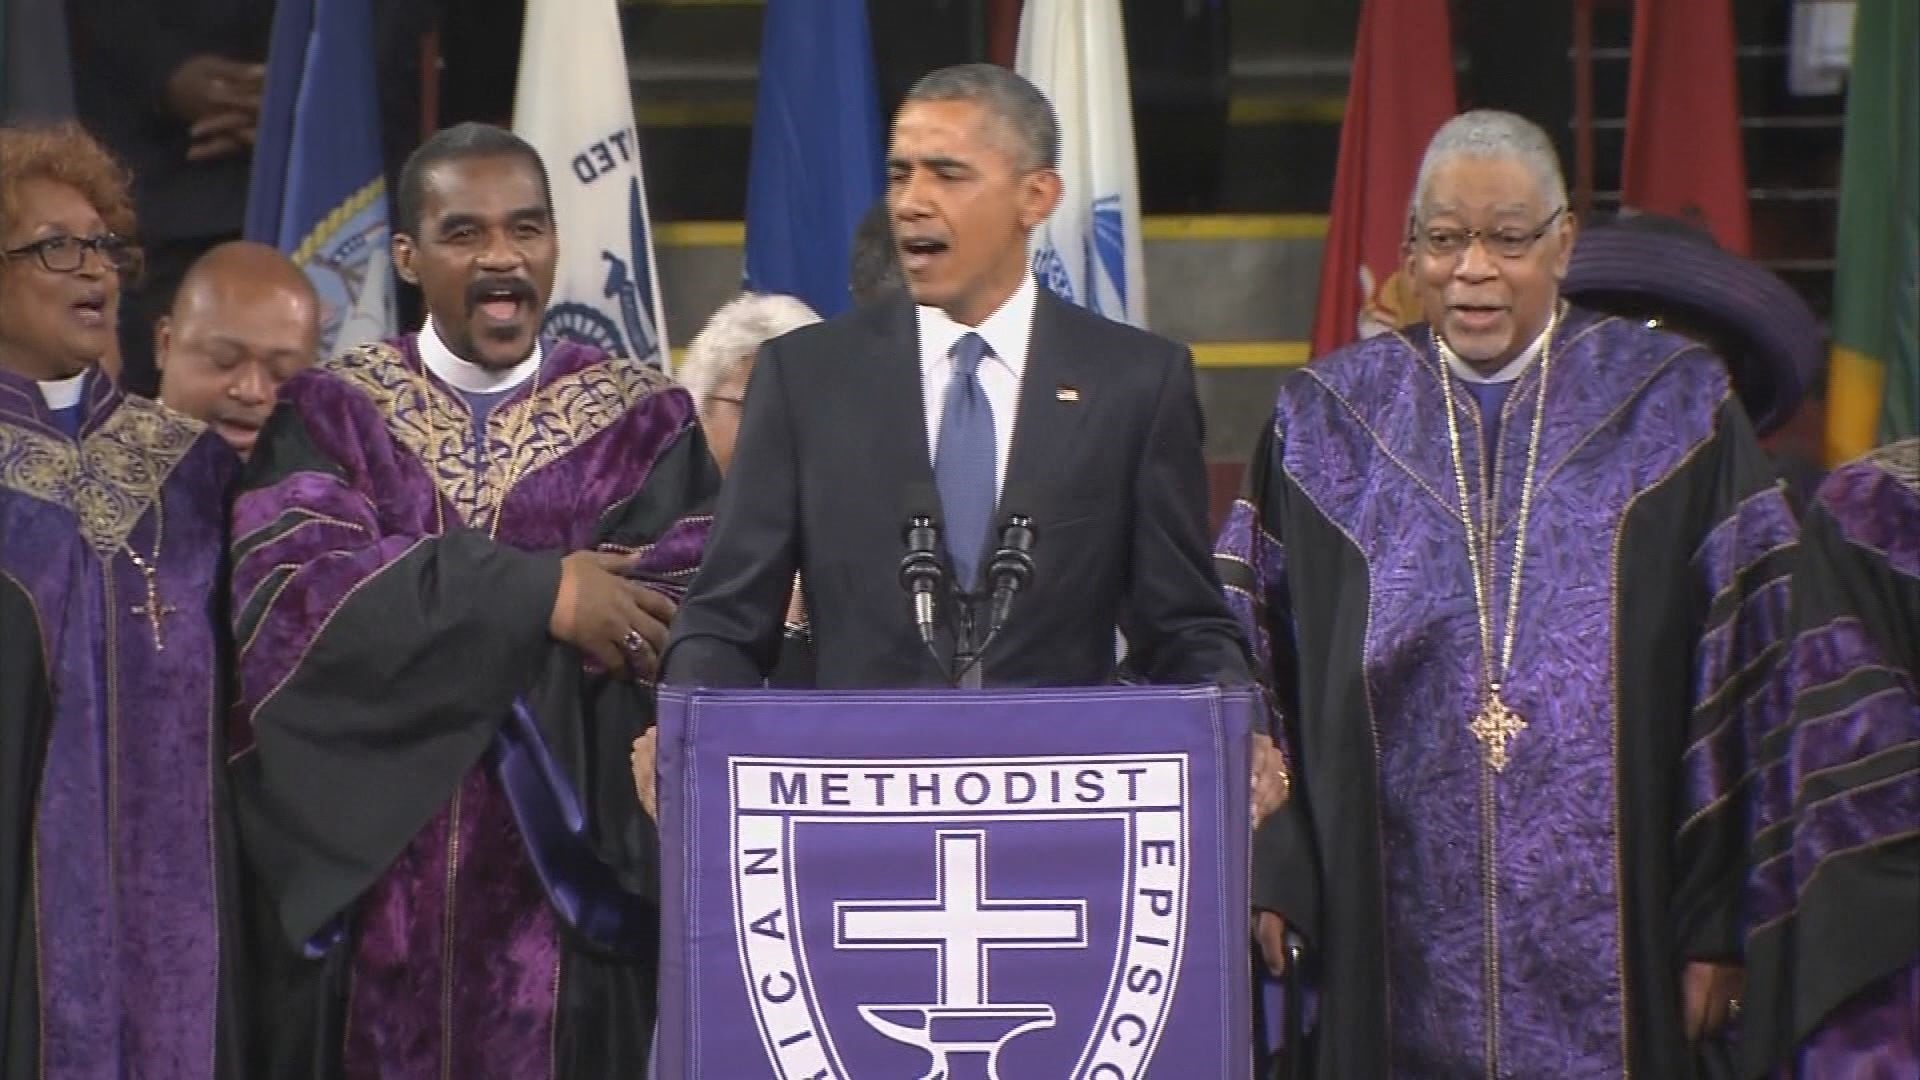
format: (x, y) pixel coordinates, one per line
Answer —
(922, 575)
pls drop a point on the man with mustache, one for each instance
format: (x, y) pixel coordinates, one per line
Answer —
(1513, 576)
(440, 697)
(244, 321)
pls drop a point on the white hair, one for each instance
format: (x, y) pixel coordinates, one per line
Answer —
(734, 335)
(1489, 134)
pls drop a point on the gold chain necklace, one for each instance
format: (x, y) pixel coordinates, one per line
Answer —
(1495, 724)
(518, 452)
(149, 568)
(478, 433)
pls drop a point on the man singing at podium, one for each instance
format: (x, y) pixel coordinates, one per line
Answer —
(1042, 450)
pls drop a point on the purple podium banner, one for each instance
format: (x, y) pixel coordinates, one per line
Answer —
(1015, 885)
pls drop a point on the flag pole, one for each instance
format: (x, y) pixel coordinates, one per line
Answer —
(1003, 31)
(430, 80)
(1582, 108)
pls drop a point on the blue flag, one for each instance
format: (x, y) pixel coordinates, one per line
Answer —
(817, 157)
(319, 188)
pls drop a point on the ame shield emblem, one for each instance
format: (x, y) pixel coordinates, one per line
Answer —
(1041, 884)
(950, 918)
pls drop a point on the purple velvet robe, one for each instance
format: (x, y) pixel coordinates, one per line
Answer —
(1834, 948)
(393, 581)
(1531, 920)
(114, 845)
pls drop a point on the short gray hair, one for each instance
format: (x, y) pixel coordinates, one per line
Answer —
(1019, 105)
(733, 336)
(1489, 134)
(873, 267)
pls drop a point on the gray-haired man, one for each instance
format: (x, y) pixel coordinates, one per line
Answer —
(1514, 577)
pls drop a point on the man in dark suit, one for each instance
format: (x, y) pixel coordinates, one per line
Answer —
(174, 89)
(987, 390)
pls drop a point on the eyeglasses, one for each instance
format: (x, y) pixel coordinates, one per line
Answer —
(67, 254)
(1508, 242)
(738, 403)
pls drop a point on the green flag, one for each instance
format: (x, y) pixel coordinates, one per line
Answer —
(1873, 382)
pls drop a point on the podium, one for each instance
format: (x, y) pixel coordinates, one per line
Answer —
(942, 885)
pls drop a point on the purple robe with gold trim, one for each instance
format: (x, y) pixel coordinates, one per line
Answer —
(1530, 920)
(1834, 952)
(116, 957)
(438, 798)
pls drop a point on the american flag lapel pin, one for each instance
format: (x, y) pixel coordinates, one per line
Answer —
(1068, 394)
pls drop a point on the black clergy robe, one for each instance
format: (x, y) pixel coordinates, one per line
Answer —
(1834, 954)
(438, 799)
(118, 901)
(1532, 919)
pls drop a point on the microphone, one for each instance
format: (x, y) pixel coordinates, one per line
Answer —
(1011, 569)
(921, 574)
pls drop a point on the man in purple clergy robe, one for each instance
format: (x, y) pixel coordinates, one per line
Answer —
(1834, 948)
(1513, 576)
(455, 557)
(118, 906)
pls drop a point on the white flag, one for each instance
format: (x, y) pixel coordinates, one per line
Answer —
(574, 103)
(1090, 250)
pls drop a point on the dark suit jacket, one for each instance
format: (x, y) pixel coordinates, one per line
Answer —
(124, 53)
(123, 56)
(832, 442)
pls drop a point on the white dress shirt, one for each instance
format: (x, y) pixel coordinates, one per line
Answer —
(1007, 332)
(1514, 369)
(65, 393)
(467, 376)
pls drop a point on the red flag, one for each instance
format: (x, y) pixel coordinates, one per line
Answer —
(1684, 158)
(1401, 92)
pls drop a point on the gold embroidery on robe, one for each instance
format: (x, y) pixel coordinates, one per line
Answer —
(111, 478)
(1901, 461)
(521, 438)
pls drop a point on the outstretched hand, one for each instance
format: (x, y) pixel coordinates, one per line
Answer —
(1270, 932)
(619, 622)
(1710, 997)
(645, 780)
(1271, 785)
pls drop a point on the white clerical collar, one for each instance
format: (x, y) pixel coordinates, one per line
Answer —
(64, 393)
(1512, 371)
(1007, 331)
(467, 376)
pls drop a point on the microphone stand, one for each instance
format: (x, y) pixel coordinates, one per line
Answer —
(1010, 572)
(922, 576)
(966, 659)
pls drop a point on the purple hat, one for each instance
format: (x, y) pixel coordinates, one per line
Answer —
(1644, 265)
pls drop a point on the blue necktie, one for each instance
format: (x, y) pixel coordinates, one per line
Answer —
(964, 468)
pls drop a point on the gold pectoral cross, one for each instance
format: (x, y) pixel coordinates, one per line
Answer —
(1495, 725)
(153, 609)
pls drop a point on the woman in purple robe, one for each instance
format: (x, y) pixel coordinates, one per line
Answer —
(1833, 952)
(116, 950)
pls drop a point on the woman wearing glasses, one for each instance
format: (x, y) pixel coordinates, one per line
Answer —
(112, 843)
(718, 364)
